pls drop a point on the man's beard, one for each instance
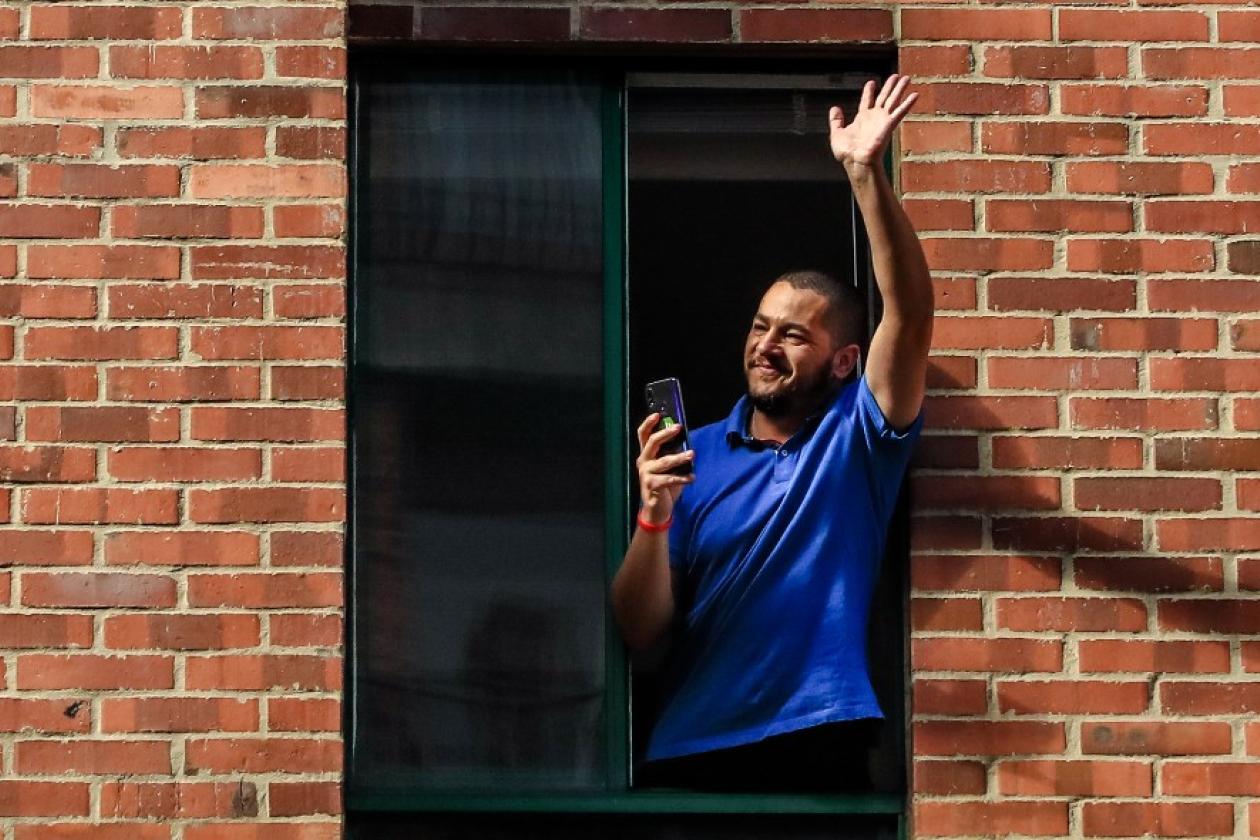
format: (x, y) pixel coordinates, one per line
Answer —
(800, 398)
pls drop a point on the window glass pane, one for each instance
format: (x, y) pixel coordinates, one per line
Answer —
(478, 443)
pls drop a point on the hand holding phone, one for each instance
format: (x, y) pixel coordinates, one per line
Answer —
(665, 456)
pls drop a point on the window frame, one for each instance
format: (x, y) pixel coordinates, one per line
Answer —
(619, 798)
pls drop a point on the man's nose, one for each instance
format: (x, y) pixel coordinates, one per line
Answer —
(768, 344)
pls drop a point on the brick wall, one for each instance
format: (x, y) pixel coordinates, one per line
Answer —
(172, 216)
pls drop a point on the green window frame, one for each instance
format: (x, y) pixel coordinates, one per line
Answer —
(618, 798)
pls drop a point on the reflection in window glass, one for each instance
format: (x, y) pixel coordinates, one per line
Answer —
(478, 433)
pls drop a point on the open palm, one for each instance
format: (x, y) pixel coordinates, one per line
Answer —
(862, 141)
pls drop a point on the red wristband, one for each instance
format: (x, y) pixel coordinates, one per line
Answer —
(656, 529)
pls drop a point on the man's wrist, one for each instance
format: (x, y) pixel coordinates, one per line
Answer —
(652, 518)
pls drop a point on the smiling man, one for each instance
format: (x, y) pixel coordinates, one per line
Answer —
(761, 564)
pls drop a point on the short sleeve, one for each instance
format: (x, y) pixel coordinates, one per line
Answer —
(888, 450)
(877, 425)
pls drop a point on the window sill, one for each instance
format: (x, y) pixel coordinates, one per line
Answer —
(645, 802)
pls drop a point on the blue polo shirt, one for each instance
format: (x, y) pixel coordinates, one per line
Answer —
(775, 552)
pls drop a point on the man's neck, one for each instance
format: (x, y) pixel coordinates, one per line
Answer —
(780, 428)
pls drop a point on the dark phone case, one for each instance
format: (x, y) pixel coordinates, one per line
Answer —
(665, 396)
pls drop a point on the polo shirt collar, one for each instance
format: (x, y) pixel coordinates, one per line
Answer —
(735, 427)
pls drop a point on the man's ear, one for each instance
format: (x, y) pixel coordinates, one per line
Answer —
(844, 360)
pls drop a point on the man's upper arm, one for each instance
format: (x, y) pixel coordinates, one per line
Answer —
(896, 366)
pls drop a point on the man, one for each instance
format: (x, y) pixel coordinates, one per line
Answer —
(764, 560)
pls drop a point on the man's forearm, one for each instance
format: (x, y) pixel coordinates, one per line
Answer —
(642, 591)
(901, 269)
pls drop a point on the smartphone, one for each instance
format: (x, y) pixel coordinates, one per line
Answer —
(665, 397)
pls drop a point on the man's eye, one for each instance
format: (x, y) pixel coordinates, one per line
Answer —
(758, 328)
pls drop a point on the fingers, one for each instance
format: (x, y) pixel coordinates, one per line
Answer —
(836, 117)
(659, 481)
(894, 95)
(652, 442)
(885, 90)
(868, 95)
(903, 109)
(645, 428)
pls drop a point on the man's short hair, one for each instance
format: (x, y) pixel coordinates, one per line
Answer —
(846, 311)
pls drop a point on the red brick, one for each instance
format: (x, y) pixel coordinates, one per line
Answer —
(48, 221)
(311, 62)
(1139, 178)
(1167, 819)
(1246, 414)
(924, 137)
(181, 631)
(43, 139)
(60, 22)
(975, 176)
(981, 98)
(1134, 101)
(93, 831)
(1243, 178)
(813, 25)
(310, 143)
(1238, 26)
(92, 180)
(1007, 254)
(183, 383)
(1218, 615)
(47, 301)
(264, 831)
(294, 799)
(1242, 534)
(306, 548)
(445, 23)
(1204, 138)
(1200, 63)
(311, 221)
(102, 343)
(1202, 216)
(304, 630)
(1071, 614)
(1206, 295)
(39, 62)
(181, 548)
(308, 463)
(193, 221)
(1074, 778)
(934, 819)
(976, 24)
(178, 800)
(940, 214)
(291, 672)
(101, 423)
(1063, 373)
(1149, 574)
(268, 343)
(47, 464)
(269, 101)
(268, 424)
(1185, 778)
(1067, 533)
(44, 716)
(1002, 413)
(946, 778)
(979, 333)
(107, 101)
(185, 62)
(45, 548)
(988, 737)
(95, 757)
(308, 382)
(998, 655)
(124, 262)
(1205, 374)
(944, 614)
(984, 572)
(267, 504)
(944, 533)
(1072, 697)
(184, 464)
(1195, 698)
(919, 62)
(1056, 62)
(950, 372)
(92, 672)
(267, 262)
(243, 180)
(45, 630)
(986, 492)
(1144, 656)
(47, 382)
(630, 24)
(1137, 26)
(1129, 414)
(950, 697)
(99, 505)
(197, 143)
(1058, 215)
(97, 590)
(1154, 738)
(1147, 494)
(300, 714)
(263, 755)
(1241, 100)
(1066, 453)
(1127, 256)
(178, 714)
(266, 590)
(43, 799)
(1143, 334)
(1245, 335)
(310, 23)
(1060, 294)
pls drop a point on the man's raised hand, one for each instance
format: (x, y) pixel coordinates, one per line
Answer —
(658, 488)
(862, 141)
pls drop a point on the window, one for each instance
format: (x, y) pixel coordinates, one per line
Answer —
(532, 242)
